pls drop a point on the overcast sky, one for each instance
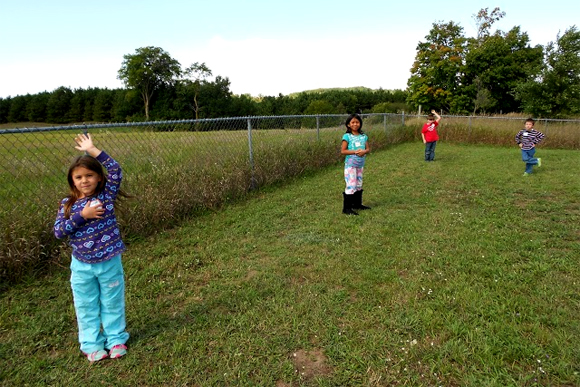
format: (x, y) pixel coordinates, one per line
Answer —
(264, 47)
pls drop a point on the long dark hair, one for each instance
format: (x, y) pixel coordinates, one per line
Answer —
(349, 119)
(91, 164)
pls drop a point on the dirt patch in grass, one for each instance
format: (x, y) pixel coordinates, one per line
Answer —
(311, 364)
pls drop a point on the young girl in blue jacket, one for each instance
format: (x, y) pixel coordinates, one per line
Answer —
(87, 218)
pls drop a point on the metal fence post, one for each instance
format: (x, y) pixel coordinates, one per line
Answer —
(403, 118)
(317, 127)
(385, 122)
(252, 178)
(85, 131)
(469, 132)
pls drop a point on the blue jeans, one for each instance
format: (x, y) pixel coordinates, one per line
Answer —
(430, 150)
(99, 299)
(529, 159)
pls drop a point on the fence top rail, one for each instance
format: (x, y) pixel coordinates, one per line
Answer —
(245, 118)
(151, 123)
(148, 123)
(514, 118)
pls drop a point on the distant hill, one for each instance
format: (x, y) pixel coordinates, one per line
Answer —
(317, 91)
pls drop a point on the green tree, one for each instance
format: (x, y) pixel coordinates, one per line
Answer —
(195, 75)
(347, 100)
(36, 107)
(485, 19)
(4, 109)
(483, 99)
(90, 95)
(103, 106)
(216, 97)
(436, 75)
(316, 107)
(17, 112)
(496, 64)
(556, 91)
(77, 106)
(389, 107)
(126, 104)
(58, 105)
(147, 70)
(320, 106)
(266, 105)
(243, 105)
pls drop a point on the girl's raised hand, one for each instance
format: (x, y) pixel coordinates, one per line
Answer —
(85, 143)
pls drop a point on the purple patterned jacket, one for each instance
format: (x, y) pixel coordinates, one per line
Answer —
(94, 240)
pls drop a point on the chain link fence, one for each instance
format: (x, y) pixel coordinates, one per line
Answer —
(171, 168)
(176, 168)
(34, 161)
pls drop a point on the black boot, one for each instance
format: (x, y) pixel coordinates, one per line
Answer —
(347, 204)
(358, 201)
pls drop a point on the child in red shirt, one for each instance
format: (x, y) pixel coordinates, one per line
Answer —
(429, 135)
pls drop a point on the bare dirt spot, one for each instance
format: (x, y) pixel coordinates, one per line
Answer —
(251, 274)
(311, 364)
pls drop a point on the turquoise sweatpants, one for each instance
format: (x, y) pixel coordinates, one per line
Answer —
(99, 298)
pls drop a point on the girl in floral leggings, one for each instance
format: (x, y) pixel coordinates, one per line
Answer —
(355, 146)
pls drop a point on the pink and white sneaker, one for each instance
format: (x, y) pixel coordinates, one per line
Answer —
(117, 351)
(97, 355)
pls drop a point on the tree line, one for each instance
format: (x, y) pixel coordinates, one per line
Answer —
(214, 100)
(158, 89)
(496, 72)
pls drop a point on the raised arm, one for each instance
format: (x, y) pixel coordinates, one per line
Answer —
(437, 116)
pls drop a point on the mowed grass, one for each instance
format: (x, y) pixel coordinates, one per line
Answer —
(464, 273)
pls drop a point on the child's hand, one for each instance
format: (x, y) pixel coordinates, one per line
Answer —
(85, 143)
(93, 210)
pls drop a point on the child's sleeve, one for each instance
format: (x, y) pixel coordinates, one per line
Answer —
(64, 227)
(114, 173)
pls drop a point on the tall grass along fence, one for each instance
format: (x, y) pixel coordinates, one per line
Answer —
(172, 168)
(177, 168)
(560, 134)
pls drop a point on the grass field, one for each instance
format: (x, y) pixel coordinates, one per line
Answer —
(464, 273)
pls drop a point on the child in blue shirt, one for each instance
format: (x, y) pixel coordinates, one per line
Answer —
(355, 146)
(87, 218)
